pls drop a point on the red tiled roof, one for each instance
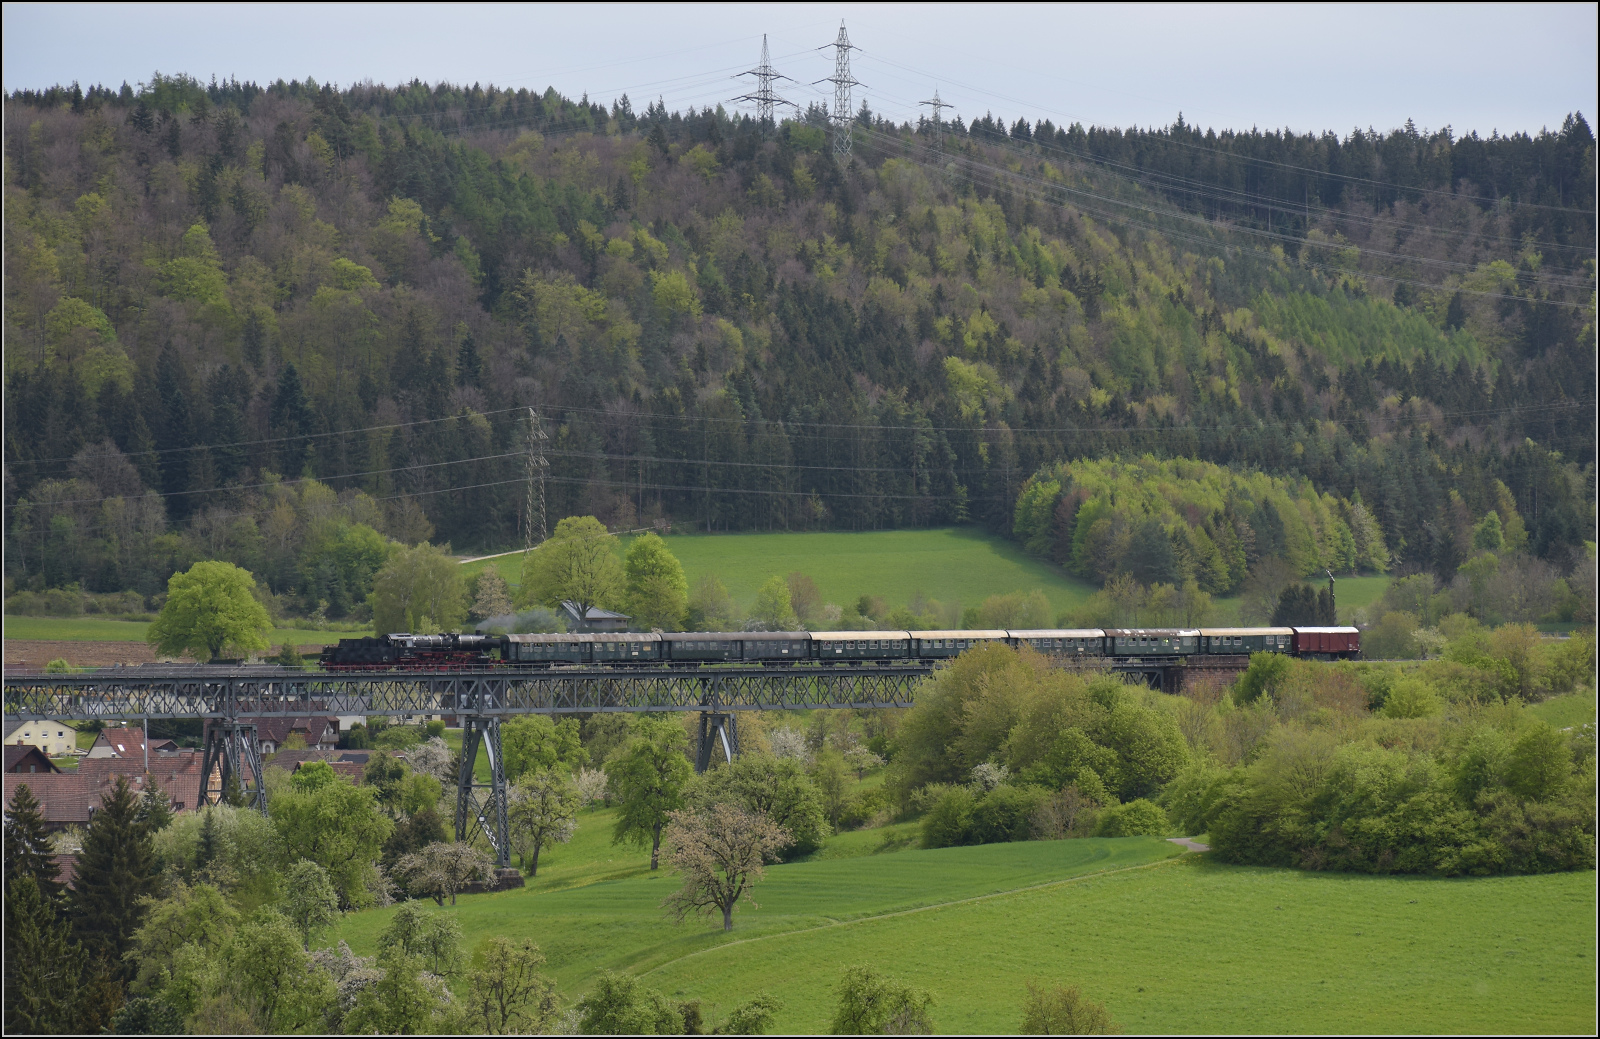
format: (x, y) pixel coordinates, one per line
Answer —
(20, 756)
(315, 729)
(127, 743)
(64, 797)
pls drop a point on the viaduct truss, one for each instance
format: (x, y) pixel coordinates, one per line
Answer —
(231, 701)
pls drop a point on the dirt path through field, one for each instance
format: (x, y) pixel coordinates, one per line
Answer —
(1189, 843)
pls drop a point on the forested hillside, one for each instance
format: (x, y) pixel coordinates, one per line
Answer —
(248, 322)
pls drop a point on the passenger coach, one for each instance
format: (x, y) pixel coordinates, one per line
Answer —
(787, 648)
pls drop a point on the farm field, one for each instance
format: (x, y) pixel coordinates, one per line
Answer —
(1171, 943)
(104, 629)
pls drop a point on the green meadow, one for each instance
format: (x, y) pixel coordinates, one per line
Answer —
(957, 563)
(1565, 712)
(1170, 942)
(960, 564)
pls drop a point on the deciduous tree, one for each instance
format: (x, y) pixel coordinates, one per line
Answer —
(872, 1003)
(648, 779)
(418, 587)
(720, 852)
(210, 607)
(532, 741)
(309, 903)
(1060, 1010)
(440, 871)
(657, 591)
(774, 611)
(578, 564)
(543, 811)
(506, 992)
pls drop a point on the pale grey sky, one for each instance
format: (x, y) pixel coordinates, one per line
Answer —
(1484, 67)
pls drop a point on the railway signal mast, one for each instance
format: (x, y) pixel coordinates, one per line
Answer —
(765, 98)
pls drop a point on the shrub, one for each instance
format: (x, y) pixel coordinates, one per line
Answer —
(1064, 1011)
(871, 1003)
(1137, 818)
(1264, 675)
(1004, 814)
(949, 819)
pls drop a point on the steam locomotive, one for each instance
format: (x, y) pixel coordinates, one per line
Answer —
(824, 648)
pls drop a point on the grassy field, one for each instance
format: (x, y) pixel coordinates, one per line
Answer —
(1170, 944)
(1564, 712)
(959, 564)
(103, 629)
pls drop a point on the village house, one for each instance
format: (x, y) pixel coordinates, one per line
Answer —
(128, 743)
(56, 739)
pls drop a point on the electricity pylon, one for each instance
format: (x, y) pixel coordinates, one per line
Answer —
(765, 98)
(843, 111)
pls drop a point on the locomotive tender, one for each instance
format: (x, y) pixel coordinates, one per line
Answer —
(824, 648)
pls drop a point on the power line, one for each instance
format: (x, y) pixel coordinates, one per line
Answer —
(280, 440)
(1267, 162)
(765, 98)
(995, 176)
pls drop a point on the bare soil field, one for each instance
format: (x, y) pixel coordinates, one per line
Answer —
(36, 653)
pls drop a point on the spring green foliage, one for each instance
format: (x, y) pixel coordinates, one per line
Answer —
(672, 283)
(777, 788)
(577, 564)
(657, 592)
(1138, 817)
(773, 609)
(873, 1003)
(1049, 727)
(1451, 927)
(648, 778)
(433, 938)
(1176, 521)
(507, 992)
(533, 741)
(1063, 1010)
(209, 608)
(543, 810)
(419, 589)
(619, 1005)
(310, 902)
(335, 825)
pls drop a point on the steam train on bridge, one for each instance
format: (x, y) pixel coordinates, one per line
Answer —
(824, 648)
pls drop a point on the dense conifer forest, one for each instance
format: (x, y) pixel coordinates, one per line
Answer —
(261, 323)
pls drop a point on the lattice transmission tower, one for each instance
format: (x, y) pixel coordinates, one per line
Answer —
(843, 112)
(765, 98)
(938, 122)
(537, 468)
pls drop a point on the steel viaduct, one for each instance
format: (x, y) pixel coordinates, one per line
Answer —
(232, 700)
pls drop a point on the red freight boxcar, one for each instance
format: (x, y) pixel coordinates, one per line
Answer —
(1327, 643)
